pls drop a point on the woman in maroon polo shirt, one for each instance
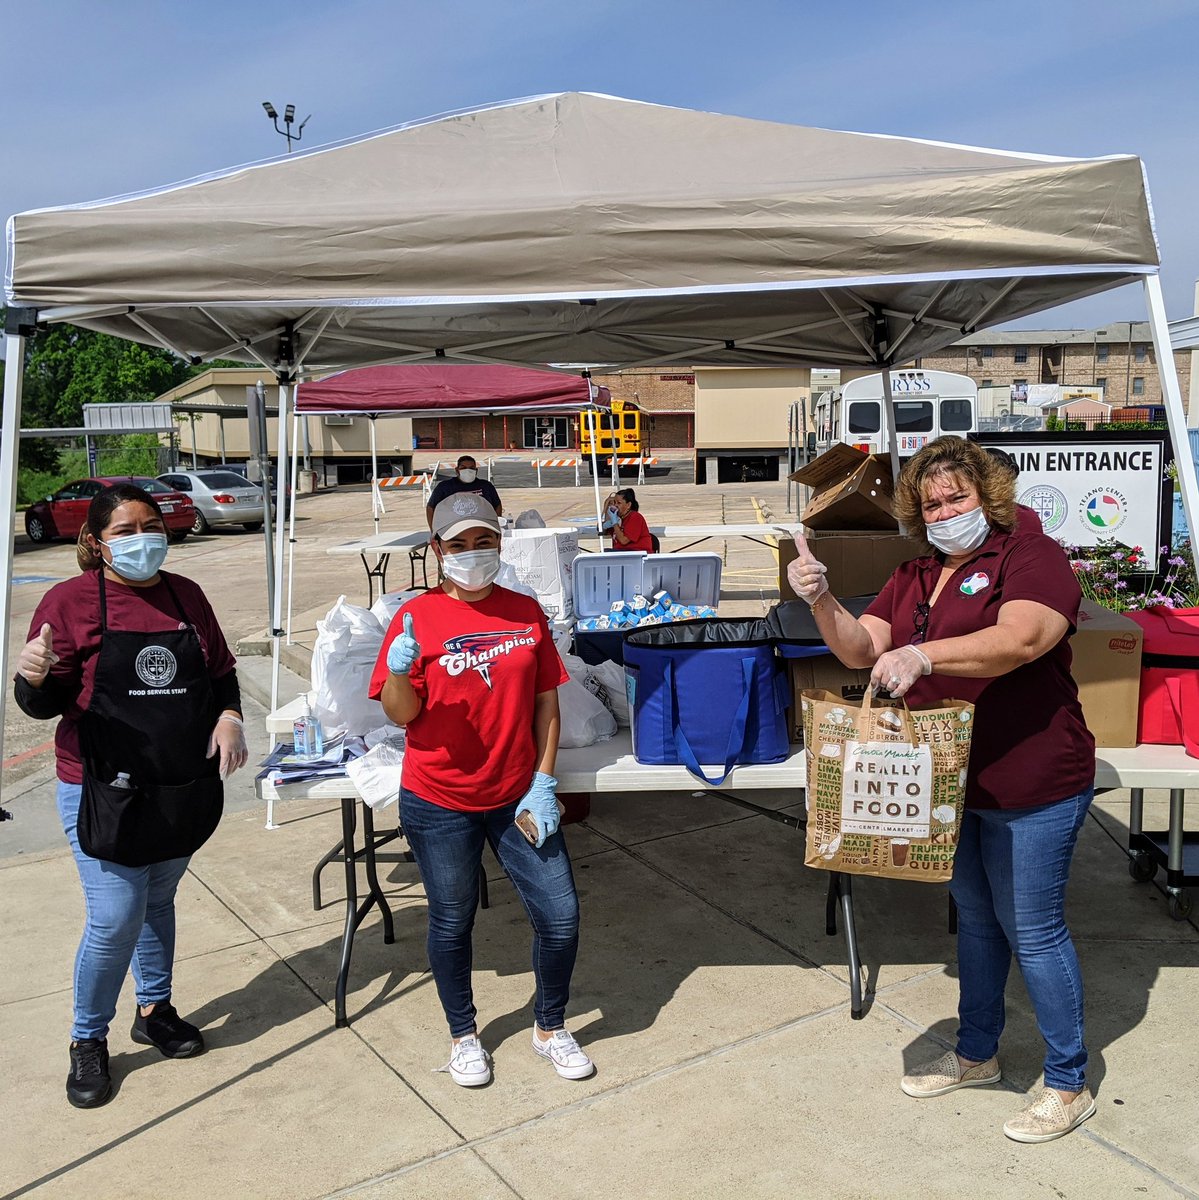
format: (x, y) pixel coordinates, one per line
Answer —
(986, 617)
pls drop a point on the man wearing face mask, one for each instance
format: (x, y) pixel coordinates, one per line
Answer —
(986, 617)
(132, 660)
(471, 671)
(466, 480)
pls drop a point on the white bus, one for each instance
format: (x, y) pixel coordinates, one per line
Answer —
(927, 404)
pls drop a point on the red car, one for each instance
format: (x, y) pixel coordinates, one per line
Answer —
(65, 513)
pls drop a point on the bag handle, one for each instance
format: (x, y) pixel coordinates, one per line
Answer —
(737, 734)
(862, 723)
(1184, 698)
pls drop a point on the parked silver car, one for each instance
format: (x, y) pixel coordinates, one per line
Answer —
(220, 497)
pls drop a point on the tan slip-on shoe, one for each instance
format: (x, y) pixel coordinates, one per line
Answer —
(1048, 1117)
(946, 1075)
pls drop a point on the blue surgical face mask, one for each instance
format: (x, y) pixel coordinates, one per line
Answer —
(961, 534)
(138, 555)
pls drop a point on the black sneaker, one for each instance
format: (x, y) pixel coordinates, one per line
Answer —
(89, 1085)
(167, 1030)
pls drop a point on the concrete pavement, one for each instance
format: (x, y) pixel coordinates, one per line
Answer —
(712, 1001)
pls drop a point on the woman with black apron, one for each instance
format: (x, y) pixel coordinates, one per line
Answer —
(135, 664)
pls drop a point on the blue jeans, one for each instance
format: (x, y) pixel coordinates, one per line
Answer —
(130, 920)
(448, 848)
(1009, 883)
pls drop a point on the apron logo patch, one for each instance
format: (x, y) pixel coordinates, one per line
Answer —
(976, 583)
(155, 666)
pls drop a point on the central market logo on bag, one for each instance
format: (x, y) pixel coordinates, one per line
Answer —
(976, 583)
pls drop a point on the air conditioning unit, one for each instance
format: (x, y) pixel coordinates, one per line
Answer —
(339, 420)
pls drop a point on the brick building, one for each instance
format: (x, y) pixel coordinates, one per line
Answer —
(665, 395)
(1118, 357)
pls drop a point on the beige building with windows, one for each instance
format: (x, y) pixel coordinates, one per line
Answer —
(1118, 357)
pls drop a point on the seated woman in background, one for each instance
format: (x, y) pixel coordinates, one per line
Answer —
(625, 524)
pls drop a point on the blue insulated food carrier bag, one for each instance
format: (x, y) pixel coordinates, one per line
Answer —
(709, 691)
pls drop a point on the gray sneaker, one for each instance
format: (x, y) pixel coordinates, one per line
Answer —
(1048, 1117)
(946, 1075)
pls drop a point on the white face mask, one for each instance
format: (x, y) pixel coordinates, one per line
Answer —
(468, 474)
(961, 534)
(472, 569)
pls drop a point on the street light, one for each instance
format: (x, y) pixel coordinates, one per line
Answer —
(289, 116)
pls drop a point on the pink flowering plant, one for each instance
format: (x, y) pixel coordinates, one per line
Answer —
(1123, 578)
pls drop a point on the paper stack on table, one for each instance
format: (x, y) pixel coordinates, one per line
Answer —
(283, 766)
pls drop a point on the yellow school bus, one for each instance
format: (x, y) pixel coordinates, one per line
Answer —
(621, 431)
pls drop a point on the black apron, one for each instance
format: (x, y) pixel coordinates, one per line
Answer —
(150, 717)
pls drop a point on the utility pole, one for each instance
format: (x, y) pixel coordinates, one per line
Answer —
(289, 116)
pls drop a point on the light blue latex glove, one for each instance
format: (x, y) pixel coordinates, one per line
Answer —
(541, 800)
(611, 519)
(404, 651)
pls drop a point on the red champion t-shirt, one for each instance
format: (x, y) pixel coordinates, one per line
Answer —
(633, 526)
(471, 747)
(72, 610)
(1030, 745)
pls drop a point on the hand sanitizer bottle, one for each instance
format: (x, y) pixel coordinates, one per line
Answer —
(308, 738)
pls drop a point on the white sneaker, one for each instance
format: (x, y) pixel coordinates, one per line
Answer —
(469, 1064)
(564, 1052)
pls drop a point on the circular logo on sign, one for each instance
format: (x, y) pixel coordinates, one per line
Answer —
(155, 666)
(1049, 504)
(1104, 510)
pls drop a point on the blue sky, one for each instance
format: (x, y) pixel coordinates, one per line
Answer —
(108, 98)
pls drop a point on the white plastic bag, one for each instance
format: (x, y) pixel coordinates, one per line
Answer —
(377, 773)
(584, 719)
(348, 642)
(389, 604)
(610, 677)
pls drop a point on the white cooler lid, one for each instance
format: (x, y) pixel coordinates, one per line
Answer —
(600, 579)
(689, 578)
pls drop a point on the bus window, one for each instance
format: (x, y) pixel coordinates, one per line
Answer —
(630, 420)
(913, 416)
(956, 415)
(864, 416)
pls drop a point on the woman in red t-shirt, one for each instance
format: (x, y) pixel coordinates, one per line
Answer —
(471, 671)
(986, 617)
(625, 524)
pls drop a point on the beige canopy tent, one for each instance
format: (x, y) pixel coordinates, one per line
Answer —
(584, 229)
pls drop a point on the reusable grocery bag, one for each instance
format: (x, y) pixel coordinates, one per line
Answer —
(886, 785)
(706, 692)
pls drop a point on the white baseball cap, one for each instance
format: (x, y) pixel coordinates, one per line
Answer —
(466, 510)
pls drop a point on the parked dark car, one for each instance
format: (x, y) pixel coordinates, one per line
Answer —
(64, 514)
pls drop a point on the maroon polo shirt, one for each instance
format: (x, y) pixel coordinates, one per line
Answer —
(1031, 745)
(1028, 520)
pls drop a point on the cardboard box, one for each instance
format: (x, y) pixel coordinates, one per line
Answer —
(1107, 668)
(542, 560)
(850, 490)
(858, 562)
(826, 673)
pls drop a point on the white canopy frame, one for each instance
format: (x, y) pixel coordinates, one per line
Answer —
(729, 312)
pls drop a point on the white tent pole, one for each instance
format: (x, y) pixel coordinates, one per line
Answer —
(599, 504)
(280, 525)
(1172, 394)
(538, 461)
(195, 465)
(889, 423)
(291, 531)
(14, 379)
(374, 477)
(577, 470)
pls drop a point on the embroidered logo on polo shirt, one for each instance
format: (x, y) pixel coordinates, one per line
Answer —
(155, 666)
(975, 583)
(479, 651)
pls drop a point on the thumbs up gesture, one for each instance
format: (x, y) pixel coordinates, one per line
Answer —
(37, 657)
(806, 573)
(404, 650)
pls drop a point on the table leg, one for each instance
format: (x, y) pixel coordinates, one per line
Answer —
(347, 937)
(1174, 846)
(325, 860)
(372, 873)
(1136, 813)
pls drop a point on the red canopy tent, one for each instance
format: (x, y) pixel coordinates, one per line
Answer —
(467, 390)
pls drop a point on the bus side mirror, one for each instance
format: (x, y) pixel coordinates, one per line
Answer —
(810, 446)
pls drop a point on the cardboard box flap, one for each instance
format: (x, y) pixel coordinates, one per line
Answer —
(836, 463)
